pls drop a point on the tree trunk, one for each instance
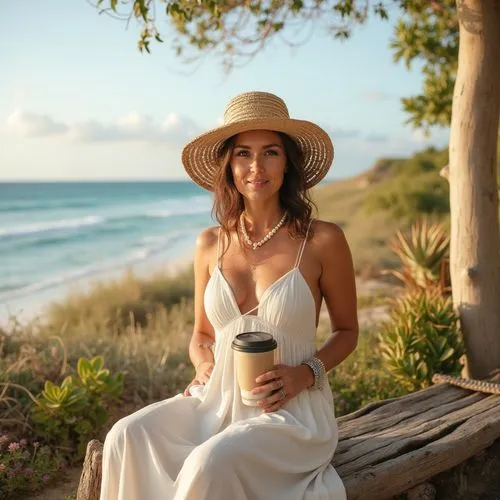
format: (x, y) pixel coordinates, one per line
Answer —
(475, 240)
(90, 480)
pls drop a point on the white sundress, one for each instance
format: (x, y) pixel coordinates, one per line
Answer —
(210, 446)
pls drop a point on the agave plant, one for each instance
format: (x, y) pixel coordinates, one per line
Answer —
(423, 254)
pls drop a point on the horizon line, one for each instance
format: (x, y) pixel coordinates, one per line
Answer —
(125, 180)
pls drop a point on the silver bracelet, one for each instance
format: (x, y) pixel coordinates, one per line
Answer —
(318, 368)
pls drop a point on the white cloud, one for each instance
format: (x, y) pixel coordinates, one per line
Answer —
(178, 129)
(25, 124)
(132, 127)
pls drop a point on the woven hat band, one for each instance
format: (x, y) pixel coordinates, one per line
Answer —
(253, 107)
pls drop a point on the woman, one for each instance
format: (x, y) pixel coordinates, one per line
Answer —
(267, 268)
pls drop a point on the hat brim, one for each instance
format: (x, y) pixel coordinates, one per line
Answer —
(201, 156)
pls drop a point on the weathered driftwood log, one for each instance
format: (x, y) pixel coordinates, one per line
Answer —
(90, 480)
(390, 447)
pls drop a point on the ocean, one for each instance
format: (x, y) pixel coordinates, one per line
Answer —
(54, 235)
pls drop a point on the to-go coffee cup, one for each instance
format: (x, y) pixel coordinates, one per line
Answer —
(253, 355)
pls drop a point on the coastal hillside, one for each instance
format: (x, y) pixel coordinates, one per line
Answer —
(372, 206)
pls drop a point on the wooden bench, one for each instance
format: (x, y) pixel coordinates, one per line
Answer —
(393, 446)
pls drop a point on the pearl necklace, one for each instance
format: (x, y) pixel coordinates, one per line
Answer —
(267, 237)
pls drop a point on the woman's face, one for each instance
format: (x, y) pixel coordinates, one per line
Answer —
(258, 164)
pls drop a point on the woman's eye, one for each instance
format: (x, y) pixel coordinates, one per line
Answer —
(242, 152)
(272, 152)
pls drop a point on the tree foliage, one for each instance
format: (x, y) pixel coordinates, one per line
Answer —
(426, 32)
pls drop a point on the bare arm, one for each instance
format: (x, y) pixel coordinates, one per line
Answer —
(338, 287)
(203, 336)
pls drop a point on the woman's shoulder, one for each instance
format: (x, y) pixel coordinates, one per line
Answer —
(329, 244)
(207, 239)
(326, 233)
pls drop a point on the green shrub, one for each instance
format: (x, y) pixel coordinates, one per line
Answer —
(422, 338)
(414, 187)
(69, 414)
(408, 198)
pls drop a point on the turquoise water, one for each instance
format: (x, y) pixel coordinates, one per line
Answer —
(54, 233)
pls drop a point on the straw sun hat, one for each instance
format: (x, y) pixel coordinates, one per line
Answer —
(258, 111)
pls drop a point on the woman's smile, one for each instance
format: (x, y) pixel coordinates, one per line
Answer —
(257, 184)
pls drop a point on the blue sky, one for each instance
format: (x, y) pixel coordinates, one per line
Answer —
(78, 101)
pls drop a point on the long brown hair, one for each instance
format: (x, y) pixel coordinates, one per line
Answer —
(294, 198)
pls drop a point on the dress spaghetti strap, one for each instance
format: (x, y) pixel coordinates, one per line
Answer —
(302, 246)
(218, 247)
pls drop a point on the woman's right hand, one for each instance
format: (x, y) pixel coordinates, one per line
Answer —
(187, 389)
(203, 372)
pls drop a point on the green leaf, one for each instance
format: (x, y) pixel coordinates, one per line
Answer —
(51, 390)
(97, 363)
(447, 354)
(83, 367)
(68, 382)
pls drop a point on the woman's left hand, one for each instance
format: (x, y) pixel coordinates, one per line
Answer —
(285, 382)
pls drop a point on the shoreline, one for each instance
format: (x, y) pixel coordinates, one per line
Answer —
(33, 307)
